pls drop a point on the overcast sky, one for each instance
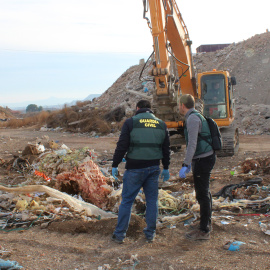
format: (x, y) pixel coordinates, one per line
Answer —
(75, 48)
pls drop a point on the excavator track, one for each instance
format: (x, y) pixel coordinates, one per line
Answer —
(230, 142)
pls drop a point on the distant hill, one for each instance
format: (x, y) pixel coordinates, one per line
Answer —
(90, 97)
(51, 102)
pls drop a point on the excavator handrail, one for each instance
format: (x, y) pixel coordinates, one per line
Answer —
(145, 9)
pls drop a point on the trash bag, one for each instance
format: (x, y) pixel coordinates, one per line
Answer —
(226, 191)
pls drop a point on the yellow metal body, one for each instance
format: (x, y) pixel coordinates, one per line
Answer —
(169, 27)
(171, 39)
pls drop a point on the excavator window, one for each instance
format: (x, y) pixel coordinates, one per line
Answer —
(214, 96)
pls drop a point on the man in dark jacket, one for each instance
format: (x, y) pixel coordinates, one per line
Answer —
(201, 157)
(145, 141)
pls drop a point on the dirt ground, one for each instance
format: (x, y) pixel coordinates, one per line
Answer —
(74, 244)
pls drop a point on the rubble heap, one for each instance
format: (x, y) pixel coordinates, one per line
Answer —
(248, 61)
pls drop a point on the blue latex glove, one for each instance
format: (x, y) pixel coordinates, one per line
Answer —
(183, 172)
(114, 173)
(165, 175)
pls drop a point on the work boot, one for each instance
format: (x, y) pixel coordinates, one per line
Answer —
(198, 235)
(196, 226)
(117, 240)
(150, 239)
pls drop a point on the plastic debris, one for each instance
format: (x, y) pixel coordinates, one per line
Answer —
(233, 245)
(9, 265)
(132, 261)
(4, 253)
(223, 222)
(21, 205)
(53, 145)
(63, 146)
(265, 228)
(104, 267)
(176, 219)
(38, 173)
(61, 152)
(41, 148)
(189, 221)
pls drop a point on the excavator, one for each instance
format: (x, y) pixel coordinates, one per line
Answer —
(173, 74)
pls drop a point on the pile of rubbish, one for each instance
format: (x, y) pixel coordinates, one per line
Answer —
(67, 184)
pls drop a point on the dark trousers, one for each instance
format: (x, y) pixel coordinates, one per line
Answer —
(202, 168)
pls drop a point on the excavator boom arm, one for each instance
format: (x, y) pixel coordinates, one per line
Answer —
(170, 38)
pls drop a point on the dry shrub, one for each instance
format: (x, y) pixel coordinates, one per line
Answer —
(103, 127)
(66, 110)
(58, 118)
(14, 123)
(82, 103)
(42, 117)
(88, 119)
(25, 122)
(95, 124)
(54, 120)
(118, 125)
(29, 120)
(62, 117)
(116, 114)
(72, 116)
(93, 113)
(69, 114)
(38, 119)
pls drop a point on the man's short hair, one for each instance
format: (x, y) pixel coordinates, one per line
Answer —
(143, 104)
(188, 100)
